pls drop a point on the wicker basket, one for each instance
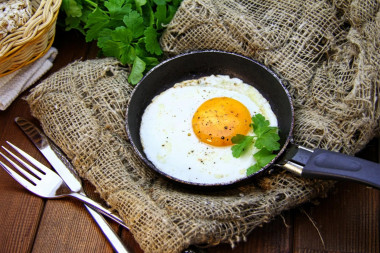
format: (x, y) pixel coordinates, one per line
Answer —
(32, 40)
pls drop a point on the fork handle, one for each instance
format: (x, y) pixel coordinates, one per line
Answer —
(110, 234)
(98, 207)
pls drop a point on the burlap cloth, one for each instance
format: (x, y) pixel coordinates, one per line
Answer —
(328, 51)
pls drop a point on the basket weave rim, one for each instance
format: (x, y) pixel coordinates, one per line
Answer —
(46, 14)
(32, 40)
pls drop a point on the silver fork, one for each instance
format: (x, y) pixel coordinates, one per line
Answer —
(46, 183)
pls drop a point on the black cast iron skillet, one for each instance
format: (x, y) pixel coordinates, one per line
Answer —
(302, 161)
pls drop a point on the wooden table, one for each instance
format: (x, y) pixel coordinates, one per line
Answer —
(346, 221)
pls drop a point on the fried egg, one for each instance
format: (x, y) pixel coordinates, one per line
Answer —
(186, 130)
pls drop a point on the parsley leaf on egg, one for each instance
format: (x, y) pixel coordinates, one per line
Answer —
(267, 136)
(262, 157)
(242, 142)
(266, 140)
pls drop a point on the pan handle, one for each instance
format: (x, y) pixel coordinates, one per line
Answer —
(320, 163)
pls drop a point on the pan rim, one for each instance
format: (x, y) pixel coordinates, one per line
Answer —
(233, 182)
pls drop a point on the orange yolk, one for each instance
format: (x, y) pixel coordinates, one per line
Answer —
(219, 119)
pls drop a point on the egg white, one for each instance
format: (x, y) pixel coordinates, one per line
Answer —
(169, 141)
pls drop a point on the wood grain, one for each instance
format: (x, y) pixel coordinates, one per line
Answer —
(66, 227)
(20, 211)
(273, 237)
(347, 222)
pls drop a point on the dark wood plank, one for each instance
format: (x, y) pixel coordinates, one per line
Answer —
(20, 211)
(273, 237)
(71, 46)
(67, 227)
(346, 221)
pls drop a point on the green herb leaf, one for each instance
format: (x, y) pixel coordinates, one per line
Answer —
(73, 23)
(268, 140)
(126, 29)
(259, 124)
(160, 15)
(116, 43)
(159, 2)
(137, 71)
(253, 169)
(151, 41)
(97, 21)
(262, 157)
(150, 62)
(242, 144)
(134, 21)
(140, 2)
(118, 8)
(265, 140)
(267, 136)
(72, 8)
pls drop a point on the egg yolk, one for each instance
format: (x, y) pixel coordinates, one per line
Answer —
(219, 119)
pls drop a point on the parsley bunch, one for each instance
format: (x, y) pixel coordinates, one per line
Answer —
(266, 140)
(126, 29)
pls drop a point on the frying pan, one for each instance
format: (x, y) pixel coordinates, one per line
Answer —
(317, 163)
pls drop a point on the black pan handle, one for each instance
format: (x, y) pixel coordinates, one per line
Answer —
(320, 163)
(333, 165)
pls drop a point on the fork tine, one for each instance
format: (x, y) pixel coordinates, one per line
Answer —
(28, 185)
(37, 173)
(36, 163)
(31, 177)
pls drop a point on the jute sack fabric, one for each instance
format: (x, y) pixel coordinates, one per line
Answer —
(334, 83)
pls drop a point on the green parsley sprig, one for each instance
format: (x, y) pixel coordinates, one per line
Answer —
(266, 140)
(126, 29)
